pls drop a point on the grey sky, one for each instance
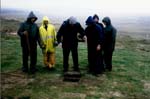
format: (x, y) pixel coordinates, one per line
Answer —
(60, 7)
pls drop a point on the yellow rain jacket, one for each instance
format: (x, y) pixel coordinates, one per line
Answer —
(48, 36)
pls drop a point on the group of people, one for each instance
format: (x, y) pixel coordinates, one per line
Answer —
(100, 43)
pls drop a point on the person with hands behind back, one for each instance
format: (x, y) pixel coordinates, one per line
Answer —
(49, 42)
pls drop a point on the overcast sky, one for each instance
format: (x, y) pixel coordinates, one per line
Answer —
(62, 7)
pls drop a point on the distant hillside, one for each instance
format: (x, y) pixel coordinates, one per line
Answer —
(135, 26)
(12, 25)
(21, 15)
(11, 18)
(9, 25)
(13, 14)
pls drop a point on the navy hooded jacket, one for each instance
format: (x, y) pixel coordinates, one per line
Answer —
(94, 33)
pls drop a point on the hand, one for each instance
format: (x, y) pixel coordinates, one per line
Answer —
(98, 47)
(55, 44)
(60, 45)
(25, 33)
(44, 46)
(85, 38)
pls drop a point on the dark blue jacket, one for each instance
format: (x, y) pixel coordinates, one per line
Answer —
(94, 33)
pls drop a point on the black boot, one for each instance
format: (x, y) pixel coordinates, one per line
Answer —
(24, 69)
(33, 70)
(109, 68)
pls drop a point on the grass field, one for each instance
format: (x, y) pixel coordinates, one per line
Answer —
(130, 78)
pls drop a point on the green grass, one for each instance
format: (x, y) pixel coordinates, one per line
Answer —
(130, 78)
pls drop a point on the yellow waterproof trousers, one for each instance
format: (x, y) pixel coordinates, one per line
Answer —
(49, 59)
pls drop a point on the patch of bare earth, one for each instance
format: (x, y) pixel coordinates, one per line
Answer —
(67, 95)
(114, 94)
(11, 33)
(119, 45)
(13, 79)
(142, 47)
(146, 85)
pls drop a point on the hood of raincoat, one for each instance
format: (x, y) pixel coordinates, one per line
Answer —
(30, 16)
(72, 20)
(48, 37)
(107, 21)
(89, 21)
(45, 18)
(95, 16)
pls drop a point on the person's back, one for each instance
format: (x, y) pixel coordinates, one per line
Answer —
(69, 33)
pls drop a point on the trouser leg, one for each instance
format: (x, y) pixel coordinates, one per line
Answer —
(75, 59)
(33, 59)
(25, 54)
(91, 58)
(66, 52)
(51, 59)
(99, 62)
(108, 59)
(45, 59)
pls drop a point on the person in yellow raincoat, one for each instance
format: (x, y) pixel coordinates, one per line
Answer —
(49, 42)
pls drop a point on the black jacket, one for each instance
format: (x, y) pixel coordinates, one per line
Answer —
(32, 29)
(102, 27)
(109, 34)
(69, 34)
